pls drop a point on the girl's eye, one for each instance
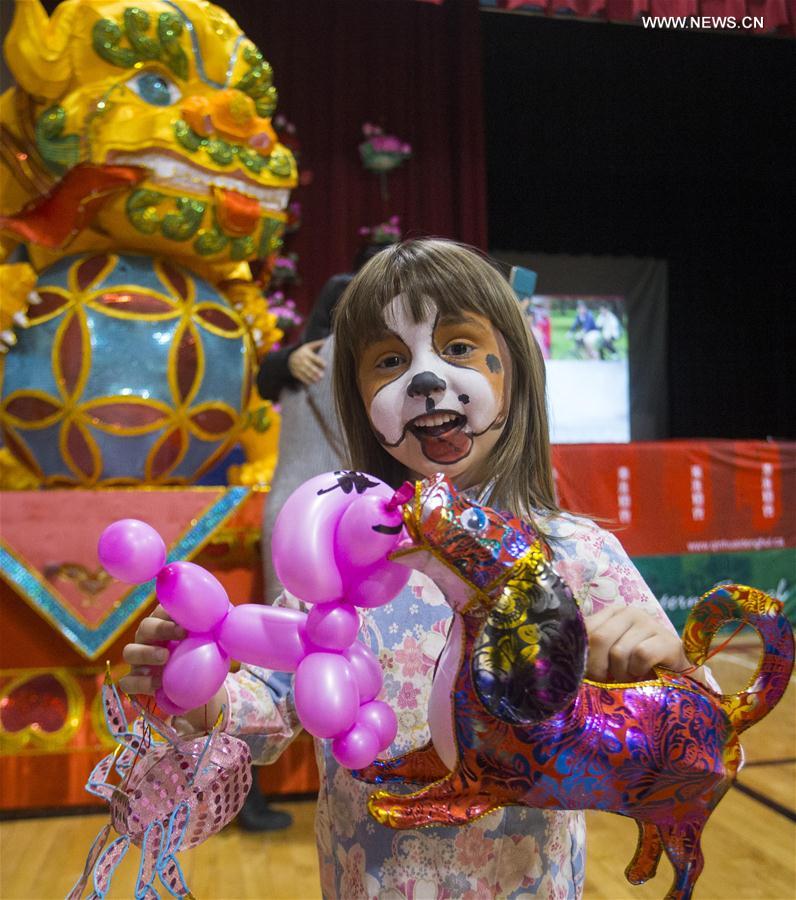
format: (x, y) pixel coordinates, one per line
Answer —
(154, 88)
(390, 362)
(459, 349)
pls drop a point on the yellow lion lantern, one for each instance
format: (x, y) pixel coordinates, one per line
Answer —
(140, 169)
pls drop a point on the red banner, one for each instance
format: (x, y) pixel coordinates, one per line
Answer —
(684, 496)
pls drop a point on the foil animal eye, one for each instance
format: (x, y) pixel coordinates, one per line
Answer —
(155, 88)
(473, 519)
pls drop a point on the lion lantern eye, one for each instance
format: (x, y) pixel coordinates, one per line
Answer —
(155, 88)
(473, 520)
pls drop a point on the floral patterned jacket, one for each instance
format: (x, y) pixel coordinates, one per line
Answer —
(511, 853)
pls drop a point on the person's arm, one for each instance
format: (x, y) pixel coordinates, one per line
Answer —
(260, 710)
(290, 367)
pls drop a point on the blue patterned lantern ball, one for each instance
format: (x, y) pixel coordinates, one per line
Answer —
(132, 371)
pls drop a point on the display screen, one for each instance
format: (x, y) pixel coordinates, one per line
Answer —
(584, 342)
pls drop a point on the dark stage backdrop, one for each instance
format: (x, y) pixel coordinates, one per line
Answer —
(414, 68)
(604, 139)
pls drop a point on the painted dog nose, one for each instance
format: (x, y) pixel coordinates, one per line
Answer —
(424, 384)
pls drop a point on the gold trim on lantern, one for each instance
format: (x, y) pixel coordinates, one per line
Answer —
(85, 409)
(229, 311)
(71, 302)
(55, 357)
(35, 424)
(175, 311)
(74, 287)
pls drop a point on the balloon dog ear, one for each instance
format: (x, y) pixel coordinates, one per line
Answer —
(530, 657)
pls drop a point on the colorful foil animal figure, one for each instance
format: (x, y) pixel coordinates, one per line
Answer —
(330, 549)
(513, 721)
(174, 793)
(142, 173)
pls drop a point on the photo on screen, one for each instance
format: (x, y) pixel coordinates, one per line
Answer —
(583, 339)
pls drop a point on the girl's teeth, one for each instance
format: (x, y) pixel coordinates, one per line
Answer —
(433, 421)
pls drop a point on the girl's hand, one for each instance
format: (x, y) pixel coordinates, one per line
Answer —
(146, 655)
(625, 643)
(147, 659)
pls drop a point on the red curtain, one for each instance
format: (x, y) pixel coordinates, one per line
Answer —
(413, 68)
(777, 15)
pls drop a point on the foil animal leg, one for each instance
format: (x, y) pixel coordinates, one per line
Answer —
(682, 844)
(452, 801)
(421, 766)
(97, 783)
(645, 860)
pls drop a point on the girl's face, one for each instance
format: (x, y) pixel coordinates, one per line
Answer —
(436, 391)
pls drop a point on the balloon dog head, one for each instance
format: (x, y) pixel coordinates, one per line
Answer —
(330, 547)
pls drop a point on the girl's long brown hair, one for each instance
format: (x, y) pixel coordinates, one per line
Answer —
(454, 278)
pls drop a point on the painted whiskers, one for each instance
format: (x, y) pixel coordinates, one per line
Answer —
(513, 721)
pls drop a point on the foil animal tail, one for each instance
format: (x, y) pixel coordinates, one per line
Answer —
(735, 602)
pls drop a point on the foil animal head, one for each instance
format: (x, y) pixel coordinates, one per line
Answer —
(530, 654)
(148, 126)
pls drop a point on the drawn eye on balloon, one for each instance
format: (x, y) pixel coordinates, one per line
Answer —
(330, 549)
(350, 481)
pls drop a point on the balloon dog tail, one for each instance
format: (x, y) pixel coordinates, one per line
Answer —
(729, 603)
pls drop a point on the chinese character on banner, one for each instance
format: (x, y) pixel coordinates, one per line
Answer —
(624, 499)
(697, 494)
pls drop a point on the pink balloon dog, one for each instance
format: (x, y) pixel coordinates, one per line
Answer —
(330, 546)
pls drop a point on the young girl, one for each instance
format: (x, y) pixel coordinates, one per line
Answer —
(435, 371)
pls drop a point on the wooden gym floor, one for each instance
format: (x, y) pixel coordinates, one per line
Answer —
(749, 843)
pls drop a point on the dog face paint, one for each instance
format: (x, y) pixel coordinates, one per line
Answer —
(436, 390)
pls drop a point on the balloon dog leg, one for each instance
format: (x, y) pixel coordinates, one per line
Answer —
(421, 766)
(450, 801)
(645, 860)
